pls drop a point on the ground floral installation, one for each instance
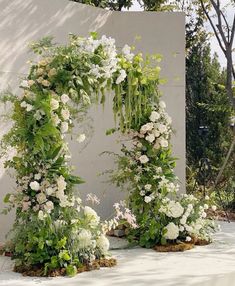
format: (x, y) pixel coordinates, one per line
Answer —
(146, 170)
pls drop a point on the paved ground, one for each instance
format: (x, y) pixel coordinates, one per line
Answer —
(212, 265)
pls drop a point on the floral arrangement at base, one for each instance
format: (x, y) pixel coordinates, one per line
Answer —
(146, 170)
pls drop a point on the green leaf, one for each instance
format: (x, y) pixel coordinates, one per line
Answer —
(71, 270)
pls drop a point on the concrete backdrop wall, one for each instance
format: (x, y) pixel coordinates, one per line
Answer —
(28, 20)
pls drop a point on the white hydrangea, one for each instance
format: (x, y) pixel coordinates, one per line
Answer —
(84, 239)
(146, 128)
(172, 231)
(55, 119)
(103, 244)
(94, 219)
(148, 187)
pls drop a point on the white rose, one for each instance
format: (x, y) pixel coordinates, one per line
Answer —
(150, 138)
(103, 244)
(64, 98)
(55, 119)
(172, 231)
(175, 209)
(49, 206)
(65, 113)
(41, 198)
(34, 185)
(147, 199)
(163, 143)
(154, 116)
(81, 138)
(146, 127)
(54, 104)
(203, 215)
(188, 238)
(143, 159)
(84, 239)
(64, 127)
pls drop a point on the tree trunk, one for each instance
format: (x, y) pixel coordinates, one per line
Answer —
(229, 84)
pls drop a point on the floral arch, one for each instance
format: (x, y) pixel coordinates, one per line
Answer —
(52, 228)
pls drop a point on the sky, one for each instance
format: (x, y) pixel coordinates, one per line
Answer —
(214, 43)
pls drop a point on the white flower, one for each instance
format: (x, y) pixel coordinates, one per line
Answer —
(162, 104)
(147, 199)
(214, 208)
(150, 138)
(142, 193)
(203, 215)
(103, 244)
(172, 231)
(65, 114)
(92, 216)
(23, 104)
(188, 238)
(29, 107)
(61, 183)
(54, 104)
(148, 187)
(64, 127)
(49, 191)
(126, 50)
(49, 206)
(207, 198)
(146, 127)
(41, 215)
(55, 119)
(154, 116)
(84, 239)
(34, 185)
(163, 143)
(64, 98)
(121, 77)
(41, 198)
(143, 159)
(175, 209)
(24, 83)
(206, 207)
(81, 138)
(183, 220)
(37, 176)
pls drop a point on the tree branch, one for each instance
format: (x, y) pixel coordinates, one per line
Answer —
(213, 26)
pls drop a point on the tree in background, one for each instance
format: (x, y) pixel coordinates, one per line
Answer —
(115, 5)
